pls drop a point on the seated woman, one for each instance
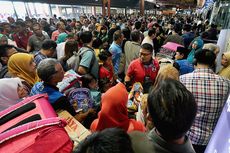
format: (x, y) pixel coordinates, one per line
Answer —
(11, 91)
(225, 62)
(22, 65)
(114, 111)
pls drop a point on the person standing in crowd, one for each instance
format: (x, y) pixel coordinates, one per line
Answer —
(114, 111)
(22, 36)
(60, 29)
(172, 109)
(149, 38)
(144, 69)
(48, 50)
(5, 52)
(187, 36)
(22, 65)
(181, 60)
(225, 62)
(132, 48)
(116, 50)
(211, 92)
(175, 37)
(88, 62)
(35, 41)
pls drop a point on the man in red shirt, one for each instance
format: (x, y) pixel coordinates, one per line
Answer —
(22, 36)
(144, 69)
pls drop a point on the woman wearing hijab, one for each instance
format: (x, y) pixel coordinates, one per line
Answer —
(225, 62)
(61, 38)
(22, 65)
(114, 111)
(11, 91)
(196, 45)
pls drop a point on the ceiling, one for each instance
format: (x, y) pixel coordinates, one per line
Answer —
(118, 3)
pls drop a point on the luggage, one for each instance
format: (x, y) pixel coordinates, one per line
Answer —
(42, 136)
(76, 131)
(31, 109)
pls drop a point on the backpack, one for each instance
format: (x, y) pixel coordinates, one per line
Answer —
(74, 61)
(80, 97)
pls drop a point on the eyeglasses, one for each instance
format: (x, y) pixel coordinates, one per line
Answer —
(144, 54)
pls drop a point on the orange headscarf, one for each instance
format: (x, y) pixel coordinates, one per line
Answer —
(18, 66)
(114, 111)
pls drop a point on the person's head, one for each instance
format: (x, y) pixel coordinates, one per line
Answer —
(78, 25)
(177, 28)
(3, 39)
(49, 47)
(5, 52)
(105, 57)
(86, 37)
(22, 65)
(6, 27)
(111, 140)
(37, 29)
(205, 57)
(103, 30)
(172, 109)
(166, 72)
(89, 81)
(70, 47)
(118, 37)
(137, 25)
(50, 71)
(213, 47)
(225, 61)
(181, 53)
(126, 32)
(197, 44)
(11, 90)
(152, 33)
(21, 26)
(146, 53)
(187, 28)
(61, 25)
(97, 42)
(135, 36)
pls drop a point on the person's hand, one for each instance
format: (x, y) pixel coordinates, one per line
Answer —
(92, 111)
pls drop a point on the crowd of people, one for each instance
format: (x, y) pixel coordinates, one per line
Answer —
(111, 54)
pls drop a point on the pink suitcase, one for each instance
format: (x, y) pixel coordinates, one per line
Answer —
(31, 109)
(43, 136)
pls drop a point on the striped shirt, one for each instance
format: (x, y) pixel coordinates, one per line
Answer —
(210, 92)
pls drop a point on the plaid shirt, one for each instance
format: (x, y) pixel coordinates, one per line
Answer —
(38, 57)
(210, 92)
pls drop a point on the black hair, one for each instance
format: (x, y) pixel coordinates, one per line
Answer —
(151, 32)
(172, 108)
(86, 37)
(135, 36)
(111, 140)
(126, 32)
(205, 56)
(4, 49)
(97, 43)
(117, 34)
(86, 80)
(49, 44)
(104, 55)
(187, 27)
(147, 46)
(137, 25)
(182, 50)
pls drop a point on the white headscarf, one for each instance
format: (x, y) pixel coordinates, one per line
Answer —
(9, 92)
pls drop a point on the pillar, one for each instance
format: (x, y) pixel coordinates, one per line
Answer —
(142, 7)
(108, 7)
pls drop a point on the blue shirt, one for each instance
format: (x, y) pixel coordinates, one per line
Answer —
(185, 66)
(116, 51)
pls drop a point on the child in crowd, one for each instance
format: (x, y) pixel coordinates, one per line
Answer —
(90, 82)
(106, 69)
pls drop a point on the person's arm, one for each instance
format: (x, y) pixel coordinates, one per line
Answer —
(28, 48)
(63, 103)
(85, 62)
(82, 70)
